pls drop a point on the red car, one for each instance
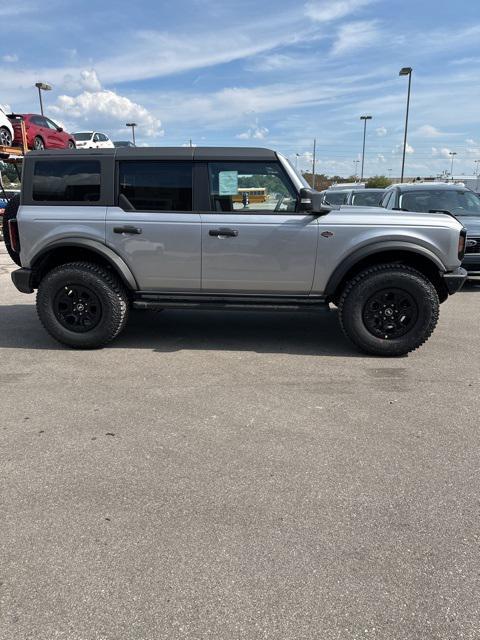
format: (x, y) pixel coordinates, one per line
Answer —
(42, 133)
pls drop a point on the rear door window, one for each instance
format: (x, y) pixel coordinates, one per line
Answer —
(66, 181)
(156, 185)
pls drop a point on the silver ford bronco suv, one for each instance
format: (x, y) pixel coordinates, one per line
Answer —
(99, 232)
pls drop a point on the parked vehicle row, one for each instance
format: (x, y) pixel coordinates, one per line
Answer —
(166, 228)
(356, 197)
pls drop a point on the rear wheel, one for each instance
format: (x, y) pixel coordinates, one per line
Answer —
(5, 137)
(82, 305)
(38, 144)
(389, 309)
(10, 214)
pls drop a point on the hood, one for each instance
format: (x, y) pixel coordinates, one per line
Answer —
(471, 224)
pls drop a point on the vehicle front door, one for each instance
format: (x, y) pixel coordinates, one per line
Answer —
(153, 227)
(55, 137)
(253, 238)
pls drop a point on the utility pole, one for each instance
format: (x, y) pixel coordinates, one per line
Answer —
(313, 162)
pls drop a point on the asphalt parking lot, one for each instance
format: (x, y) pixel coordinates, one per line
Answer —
(226, 475)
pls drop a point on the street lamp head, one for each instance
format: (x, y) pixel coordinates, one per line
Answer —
(405, 71)
(366, 117)
(131, 124)
(43, 86)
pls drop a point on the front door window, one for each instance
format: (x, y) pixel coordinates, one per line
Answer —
(245, 187)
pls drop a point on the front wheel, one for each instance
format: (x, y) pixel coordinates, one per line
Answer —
(71, 145)
(389, 309)
(82, 305)
(38, 144)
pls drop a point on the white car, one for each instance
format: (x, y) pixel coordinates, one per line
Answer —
(6, 130)
(92, 140)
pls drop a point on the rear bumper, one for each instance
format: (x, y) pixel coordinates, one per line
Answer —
(454, 280)
(22, 279)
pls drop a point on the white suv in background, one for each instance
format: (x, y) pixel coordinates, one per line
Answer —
(92, 140)
(6, 129)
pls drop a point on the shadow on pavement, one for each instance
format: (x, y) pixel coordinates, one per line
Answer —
(302, 333)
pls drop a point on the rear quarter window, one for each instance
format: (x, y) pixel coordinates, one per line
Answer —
(66, 181)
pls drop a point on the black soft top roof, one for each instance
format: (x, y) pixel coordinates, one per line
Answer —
(163, 153)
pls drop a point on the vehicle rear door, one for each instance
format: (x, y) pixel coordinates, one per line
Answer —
(153, 226)
(253, 239)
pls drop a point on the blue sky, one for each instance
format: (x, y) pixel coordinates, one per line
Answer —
(273, 73)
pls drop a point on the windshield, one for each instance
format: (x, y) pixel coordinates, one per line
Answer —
(83, 136)
(367, 198)
(336, 197)
(459, 202)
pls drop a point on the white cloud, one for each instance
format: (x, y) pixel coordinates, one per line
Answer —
(428, 131)
(10, 57)
(254, 132)
(105, 109)
(89, 80)
(381, 158)
(444, 152)
(398, 149)
(355, 35)
(327, 10)
(381, 132)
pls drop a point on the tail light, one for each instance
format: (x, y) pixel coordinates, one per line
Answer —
(462, 243)
(13, 233)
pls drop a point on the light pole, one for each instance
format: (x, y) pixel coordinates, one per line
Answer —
(133, 125)
(364, 118)
(42, 86)
(453, 154)
(406, 71)
(355, 168)
(477, 163)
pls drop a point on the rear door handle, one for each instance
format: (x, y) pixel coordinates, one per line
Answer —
(223, 233)
(127, 229)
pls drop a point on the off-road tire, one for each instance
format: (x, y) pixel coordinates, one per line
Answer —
(106, 287)
(11, 213)
(360, 289)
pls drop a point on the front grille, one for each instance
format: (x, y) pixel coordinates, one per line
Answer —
(473, 245)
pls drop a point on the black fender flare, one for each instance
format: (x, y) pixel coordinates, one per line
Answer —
(102, 250)
(379, 247)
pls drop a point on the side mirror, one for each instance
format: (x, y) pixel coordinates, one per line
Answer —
(311, 201)
(59, 129)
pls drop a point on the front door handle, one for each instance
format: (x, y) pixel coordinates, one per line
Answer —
(223, 233)
(127, 229)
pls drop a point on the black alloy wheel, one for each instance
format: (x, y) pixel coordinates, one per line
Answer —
(77, 308)
(390, 313)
